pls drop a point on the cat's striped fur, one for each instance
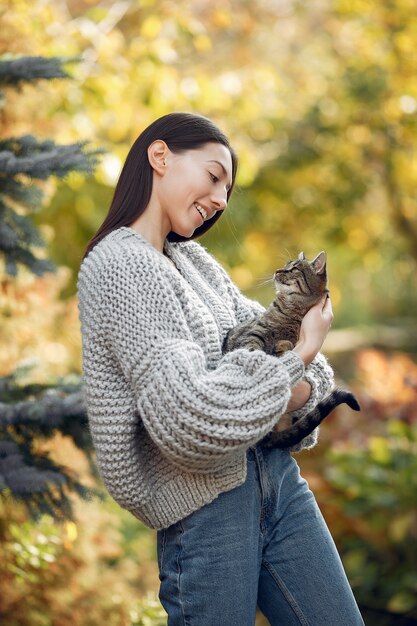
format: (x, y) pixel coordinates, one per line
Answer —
(300, 284)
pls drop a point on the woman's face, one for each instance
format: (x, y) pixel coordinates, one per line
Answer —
(194, 186)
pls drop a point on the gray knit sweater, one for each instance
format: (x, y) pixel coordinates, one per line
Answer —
(171, 418)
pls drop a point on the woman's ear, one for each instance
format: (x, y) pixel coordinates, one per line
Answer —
(157, 153)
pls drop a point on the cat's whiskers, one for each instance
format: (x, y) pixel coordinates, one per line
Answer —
(281, 255)
(260, 282)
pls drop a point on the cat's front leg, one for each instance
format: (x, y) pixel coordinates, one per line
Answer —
(253, 343)
(242, 337)
(282, 345)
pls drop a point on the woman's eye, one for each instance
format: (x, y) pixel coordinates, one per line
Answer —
(213, 178)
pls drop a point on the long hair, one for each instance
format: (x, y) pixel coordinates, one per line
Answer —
(181, 132)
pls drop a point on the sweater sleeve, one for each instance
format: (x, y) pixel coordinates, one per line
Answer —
(198, 417)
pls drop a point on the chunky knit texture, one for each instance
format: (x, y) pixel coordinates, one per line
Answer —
(171, 418)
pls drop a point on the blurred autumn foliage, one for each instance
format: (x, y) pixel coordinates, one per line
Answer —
(320, 102)
(364, 475)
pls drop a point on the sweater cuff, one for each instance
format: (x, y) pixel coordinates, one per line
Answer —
(294, 365)
(256, 361)
(310, 440)
(320, 376)
(313, 399)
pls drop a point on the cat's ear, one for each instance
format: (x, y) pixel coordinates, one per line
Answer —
(319, 263)
(301, 256)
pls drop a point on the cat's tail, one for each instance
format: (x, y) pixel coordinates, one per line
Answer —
(305, 425)
(340, 396)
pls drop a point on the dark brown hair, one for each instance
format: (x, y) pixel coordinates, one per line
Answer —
(181, 132)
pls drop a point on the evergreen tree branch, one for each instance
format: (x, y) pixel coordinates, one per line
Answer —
(32, 414)
(41, 159)
(40, 483)
(31, 68)
(47, 414)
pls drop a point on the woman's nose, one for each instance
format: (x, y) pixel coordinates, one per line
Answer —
(219, 201)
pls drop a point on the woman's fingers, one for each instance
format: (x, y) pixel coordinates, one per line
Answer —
(327, 309)
(314, 328)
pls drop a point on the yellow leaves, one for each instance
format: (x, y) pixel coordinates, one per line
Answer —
(164, 35)
(262, 130)
(408, 104)
(400, 525)
(83, 125)
(221, 18)
(151, 27)
(252, 70)
(373, 260)
(190, 88)
(230, 83)
(243, 276)
(148, 611)
(402, 602)
(391, 110)
(358, 239)
(336, 296)
(108, 173)
(248, 163)
(353, 6)
(379, 450)
(202, 43)
(71, 534)
(359, 134)
(164, 50)
(37, 328)
(257, 252)
(254, 244)
(258, 264)
(109, 46)
(405, 43)
(361, 230)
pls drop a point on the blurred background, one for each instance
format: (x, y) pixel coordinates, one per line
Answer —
(319, 99)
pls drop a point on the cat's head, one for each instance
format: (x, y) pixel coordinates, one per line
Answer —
(303, 279)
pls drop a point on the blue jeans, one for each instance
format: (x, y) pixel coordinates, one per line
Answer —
(262, 544)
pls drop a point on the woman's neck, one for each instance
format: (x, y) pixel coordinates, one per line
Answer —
(150, 225)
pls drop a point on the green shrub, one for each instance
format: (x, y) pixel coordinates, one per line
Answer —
(148, 612)
(372, 492)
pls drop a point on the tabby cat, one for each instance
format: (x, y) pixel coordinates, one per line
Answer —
(300, 284)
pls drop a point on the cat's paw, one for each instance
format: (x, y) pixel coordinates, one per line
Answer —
(283, 346)
(253, 344)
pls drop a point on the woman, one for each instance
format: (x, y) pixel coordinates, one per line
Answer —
(177, 426)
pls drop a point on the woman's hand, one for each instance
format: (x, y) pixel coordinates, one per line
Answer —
(300, 394)
(314, 328)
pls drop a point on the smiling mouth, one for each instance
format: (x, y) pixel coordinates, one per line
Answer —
(202, 211)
